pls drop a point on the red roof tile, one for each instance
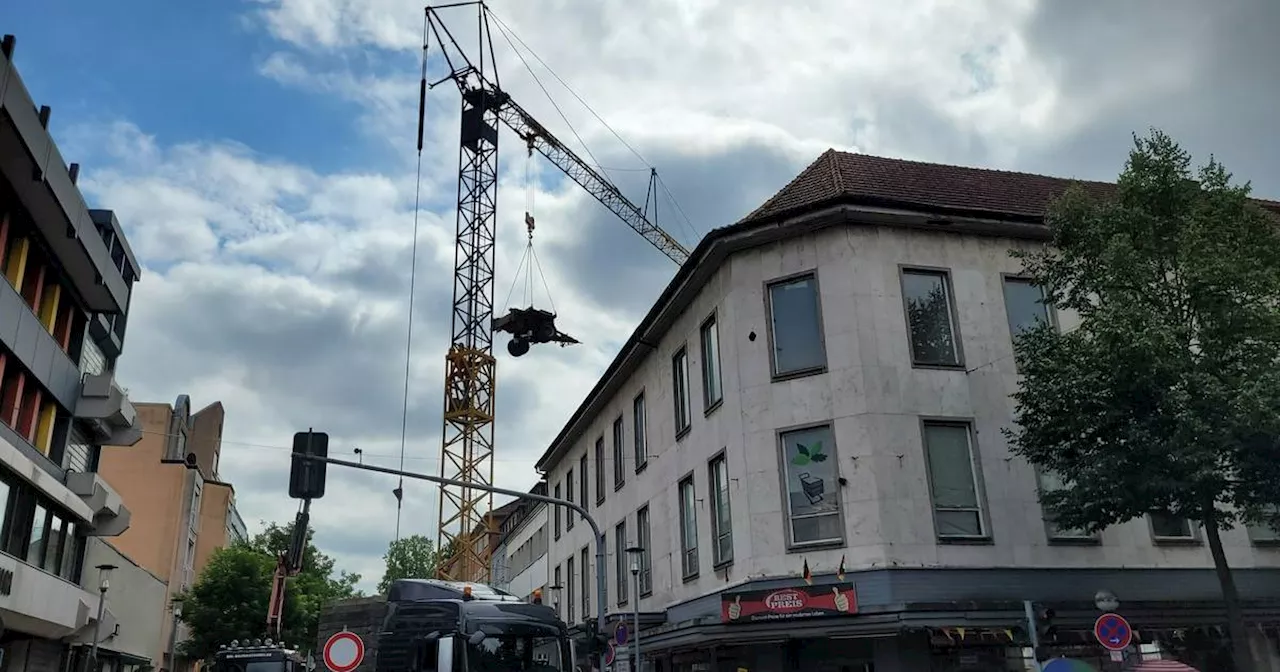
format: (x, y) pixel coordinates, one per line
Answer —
(929, 187)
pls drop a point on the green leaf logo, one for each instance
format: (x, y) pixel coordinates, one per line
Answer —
(806, 455)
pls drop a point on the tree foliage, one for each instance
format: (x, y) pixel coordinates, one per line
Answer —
(1166, 398)
(229, 599)
(413, 557)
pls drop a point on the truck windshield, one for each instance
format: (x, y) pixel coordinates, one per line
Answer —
(252, 666)
(518, 653)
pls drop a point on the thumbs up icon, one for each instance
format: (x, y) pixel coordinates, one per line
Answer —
(735, 609)
(842, 600)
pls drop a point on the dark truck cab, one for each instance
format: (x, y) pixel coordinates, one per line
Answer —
(448, 626)
(257, 657)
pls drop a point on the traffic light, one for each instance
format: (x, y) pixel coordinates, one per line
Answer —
(1045, 629)
(306, 477)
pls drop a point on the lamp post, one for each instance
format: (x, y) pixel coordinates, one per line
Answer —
(104, 584)
(1106, 601)
(175, 603)
(636, 553)
(555, 597)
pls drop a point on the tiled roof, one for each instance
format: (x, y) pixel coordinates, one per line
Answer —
(929, 187)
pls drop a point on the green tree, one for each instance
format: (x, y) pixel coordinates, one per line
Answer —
(229, 600)
(1167, 398)
(413, 557)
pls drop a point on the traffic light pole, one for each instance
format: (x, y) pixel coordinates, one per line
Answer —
(601, 600)
(1033, 629)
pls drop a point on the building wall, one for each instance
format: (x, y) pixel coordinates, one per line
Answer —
(526, 554)
(152, 489)
(215, 507)
(137, 599)
(874, 399)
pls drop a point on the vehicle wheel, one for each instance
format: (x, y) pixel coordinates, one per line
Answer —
(517, 347)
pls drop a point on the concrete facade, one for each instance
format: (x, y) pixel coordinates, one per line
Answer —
(135, 606)
(68, 276)
(875, 406)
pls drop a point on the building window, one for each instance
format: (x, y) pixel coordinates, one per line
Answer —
(92, 360)
(796, 326)
(1267, 533)
(78, 455)
(568, 494)
(680, 390)
(953, 480)
(721, 523)
(569, 597)
(556, 513)
(688, 529)
(1049, 482)
(1165, 527)
(39, 535)
(586, 583)
(930, 318)
(644, 540)
(620, 560)
(72, 549)
(556, 586)
(813, 486)
(600, 470)
(582, 480)
(619, 463)
(1024, 304)
(640, 429)
(7, 511)
(712, 385)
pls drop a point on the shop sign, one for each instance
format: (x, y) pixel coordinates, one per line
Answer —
(788, 603)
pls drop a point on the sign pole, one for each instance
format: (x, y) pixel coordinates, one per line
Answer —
(1029, 610)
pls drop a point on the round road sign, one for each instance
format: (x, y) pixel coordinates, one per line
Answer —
(1113, 632)
(610, 654)
(343, 652)
(620, 634)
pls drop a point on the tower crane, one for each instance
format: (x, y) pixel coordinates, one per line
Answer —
(467, 445)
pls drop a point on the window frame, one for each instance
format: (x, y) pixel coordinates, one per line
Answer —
(1193, 538)
(568, 587)
(718, 559)
(600, 483)
(688, 574)
(584, 488)
(621, 586)
(682, 405)
(975, 467)
(618, 430)
(1051, 313)
(1052, 532)
(953, 313)
(644, 538)
(711, 360)
(780, 452)
(769, 284)
(568, 495)
(640, 430)
(556, 512)
(585, 554)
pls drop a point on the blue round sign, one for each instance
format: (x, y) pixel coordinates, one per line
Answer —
(1113, 632)
(620, 634)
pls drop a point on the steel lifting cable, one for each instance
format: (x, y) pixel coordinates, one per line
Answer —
(529, 261)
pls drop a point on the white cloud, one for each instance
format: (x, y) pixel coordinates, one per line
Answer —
(281, 290)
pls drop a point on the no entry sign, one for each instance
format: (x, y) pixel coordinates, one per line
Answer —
(1113, 632)
(343, 652)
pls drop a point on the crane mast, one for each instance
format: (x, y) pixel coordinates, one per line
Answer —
(467, 442)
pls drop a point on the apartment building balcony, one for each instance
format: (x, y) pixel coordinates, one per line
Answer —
(110, 516)
(105, 406)
(41, 604)
(45, 185)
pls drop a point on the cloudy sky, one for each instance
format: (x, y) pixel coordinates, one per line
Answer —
(260, 155)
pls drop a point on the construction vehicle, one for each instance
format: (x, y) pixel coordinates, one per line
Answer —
(467, 442)
(430, 625)
(258, 656)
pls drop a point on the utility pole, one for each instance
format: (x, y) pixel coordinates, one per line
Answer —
(1033, 629)
(302, 458)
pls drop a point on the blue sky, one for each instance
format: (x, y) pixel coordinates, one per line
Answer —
(185, 71)
(259, 155)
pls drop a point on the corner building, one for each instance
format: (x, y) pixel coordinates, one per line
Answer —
(68, 275)
(827, 379)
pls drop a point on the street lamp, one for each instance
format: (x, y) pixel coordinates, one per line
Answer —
(1106, 600)
(555, 597)
(176, 604)
(104, 584)
(636, 553)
